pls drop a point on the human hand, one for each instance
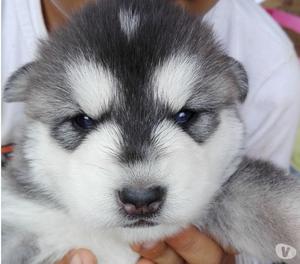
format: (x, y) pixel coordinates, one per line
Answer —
(190, 247)
(78, 256)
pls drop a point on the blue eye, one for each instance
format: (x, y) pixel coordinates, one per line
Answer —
(83, 122)
(183, 116)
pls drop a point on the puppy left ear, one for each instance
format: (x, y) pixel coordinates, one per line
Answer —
(17, 84)
(240, 77)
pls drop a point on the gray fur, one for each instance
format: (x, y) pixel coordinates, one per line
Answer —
(249, 212)
(17, 84)
(23, 245)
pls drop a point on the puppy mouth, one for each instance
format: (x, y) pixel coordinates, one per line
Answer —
(141, 223)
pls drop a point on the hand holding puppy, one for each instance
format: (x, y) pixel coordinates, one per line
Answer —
(190, 246)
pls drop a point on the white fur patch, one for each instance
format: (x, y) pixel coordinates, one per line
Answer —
(175, 78)
(129, 22)
(93, 86)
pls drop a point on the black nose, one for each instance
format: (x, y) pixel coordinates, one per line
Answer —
(141, 202)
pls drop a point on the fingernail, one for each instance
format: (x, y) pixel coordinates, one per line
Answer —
(149, 245)
(76, 260)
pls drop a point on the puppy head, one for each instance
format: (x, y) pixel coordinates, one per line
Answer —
(131, 116)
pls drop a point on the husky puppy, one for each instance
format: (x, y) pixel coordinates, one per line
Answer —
(132, 133)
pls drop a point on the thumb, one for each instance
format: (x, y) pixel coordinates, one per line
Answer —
(78, 256)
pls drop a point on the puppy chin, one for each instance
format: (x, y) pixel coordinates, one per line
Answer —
(152, 233)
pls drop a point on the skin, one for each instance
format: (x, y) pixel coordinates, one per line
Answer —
(54, 17)
(197, 7)
(78, 256)
(190, 246)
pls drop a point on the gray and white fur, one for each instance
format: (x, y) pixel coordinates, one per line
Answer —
(137, 95)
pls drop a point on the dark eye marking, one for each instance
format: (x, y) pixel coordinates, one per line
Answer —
(198, 123)
(83, 122)
(70, 131)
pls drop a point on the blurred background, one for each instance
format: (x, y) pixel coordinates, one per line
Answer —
(291, 7)
(288, 16)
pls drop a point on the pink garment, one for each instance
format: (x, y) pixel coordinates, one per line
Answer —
(285, 19)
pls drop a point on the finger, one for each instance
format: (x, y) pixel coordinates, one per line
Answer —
(158, 253)
(79, 256)
(229, 259)
(145, 261)
(195, 247)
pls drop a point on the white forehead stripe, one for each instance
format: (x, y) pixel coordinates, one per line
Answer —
(174, 79)
(129, 22)
(92, 86)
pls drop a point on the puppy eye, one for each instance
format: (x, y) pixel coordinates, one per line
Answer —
(184, 116)
(83, 122)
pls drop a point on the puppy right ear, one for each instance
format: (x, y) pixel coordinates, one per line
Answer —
(240, 77)
(17, 84)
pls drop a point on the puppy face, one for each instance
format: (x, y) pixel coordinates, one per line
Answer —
(131, 117)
